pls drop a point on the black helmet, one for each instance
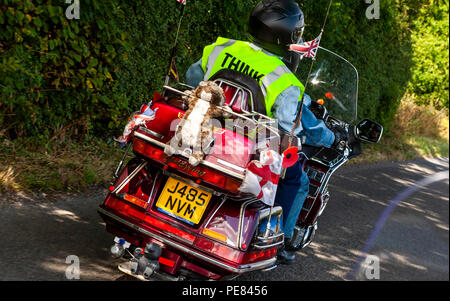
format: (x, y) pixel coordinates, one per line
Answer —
(274, 24)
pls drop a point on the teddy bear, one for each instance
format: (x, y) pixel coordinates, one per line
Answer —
(195, 131)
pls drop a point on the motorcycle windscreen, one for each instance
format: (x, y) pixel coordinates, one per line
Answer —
(334, 81)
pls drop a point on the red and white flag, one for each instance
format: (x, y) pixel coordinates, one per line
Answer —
(307, 49)
(261, 177)
(137, 118)
(182, 1)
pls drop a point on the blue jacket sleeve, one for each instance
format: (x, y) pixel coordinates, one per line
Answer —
(195, 74)
(312, 130)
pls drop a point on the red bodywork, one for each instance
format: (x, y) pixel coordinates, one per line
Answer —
(131, 213)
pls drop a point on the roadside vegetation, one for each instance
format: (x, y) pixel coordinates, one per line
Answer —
(417, 131)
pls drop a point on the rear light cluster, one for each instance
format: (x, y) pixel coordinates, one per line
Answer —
(132, 199)
(215, 235)
(148, 150)
(128, 210)
(199, 172)
(260, 255)
(166, 261)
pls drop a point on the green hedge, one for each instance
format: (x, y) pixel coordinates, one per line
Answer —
(86, 76)
(429, 81)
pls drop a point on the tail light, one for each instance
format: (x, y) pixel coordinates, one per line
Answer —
(259, 255)
(134, 200)
(165, 261)
(129, 210)
(148, 150)
(204, 174)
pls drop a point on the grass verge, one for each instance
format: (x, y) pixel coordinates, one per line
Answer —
(54, 166)
(417, 131)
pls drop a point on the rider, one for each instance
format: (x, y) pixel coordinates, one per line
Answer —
(273, 25)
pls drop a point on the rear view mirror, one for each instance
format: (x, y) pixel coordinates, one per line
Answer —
(368, 131)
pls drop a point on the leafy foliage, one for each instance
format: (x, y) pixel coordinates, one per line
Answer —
(56, 72)
(430, 38)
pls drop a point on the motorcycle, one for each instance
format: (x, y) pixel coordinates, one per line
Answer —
(175, 221)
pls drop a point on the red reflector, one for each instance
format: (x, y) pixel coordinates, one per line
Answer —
(167, 262)
(260, 255)
(111, 188)
(135, 200)
(161, 225)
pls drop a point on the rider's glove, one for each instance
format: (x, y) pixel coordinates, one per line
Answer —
(340, 138)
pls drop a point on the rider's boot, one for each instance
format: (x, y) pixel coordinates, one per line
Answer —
(284, 256)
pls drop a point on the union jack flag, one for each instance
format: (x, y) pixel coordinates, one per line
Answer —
(307, 49)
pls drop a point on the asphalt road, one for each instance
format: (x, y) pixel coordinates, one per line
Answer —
(38, 234)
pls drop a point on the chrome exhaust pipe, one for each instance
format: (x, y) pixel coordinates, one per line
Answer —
(145, 262)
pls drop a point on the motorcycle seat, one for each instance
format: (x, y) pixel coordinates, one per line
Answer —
(242, 92)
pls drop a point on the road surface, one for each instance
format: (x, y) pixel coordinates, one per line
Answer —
(38, 234)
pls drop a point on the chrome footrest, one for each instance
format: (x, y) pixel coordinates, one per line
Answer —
(157, 275)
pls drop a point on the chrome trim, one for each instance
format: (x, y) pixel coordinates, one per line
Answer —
(150, 132)
(265, 212)
(270, 268)
(119, 166)
(239, 270)
(226, 111)
(259, 247)
(153, 186)
(270, 237)
(324, 200)
(215, 211)
(270, 128)
(317, 190)
(310, 232)
(241, 220)
(310, 170)
(324, 184)
(129, 177)
(239, 88)
(157, 275)
(206, 163)
(231, 165)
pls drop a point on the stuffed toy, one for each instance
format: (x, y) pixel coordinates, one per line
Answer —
(195, 131)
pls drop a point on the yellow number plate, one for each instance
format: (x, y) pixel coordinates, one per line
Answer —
(183, 200)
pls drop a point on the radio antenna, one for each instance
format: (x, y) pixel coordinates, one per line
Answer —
(174, 48)
(298, 118)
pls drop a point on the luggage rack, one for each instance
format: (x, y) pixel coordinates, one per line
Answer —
(265, 121)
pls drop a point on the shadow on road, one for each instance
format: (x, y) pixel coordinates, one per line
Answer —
(413, 244)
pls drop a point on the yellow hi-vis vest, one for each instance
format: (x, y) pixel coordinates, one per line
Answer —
(270, 72)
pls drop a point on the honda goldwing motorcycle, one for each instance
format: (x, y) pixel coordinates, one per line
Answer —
(174, 221)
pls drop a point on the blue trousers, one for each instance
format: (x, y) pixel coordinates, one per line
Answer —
(291, 194)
